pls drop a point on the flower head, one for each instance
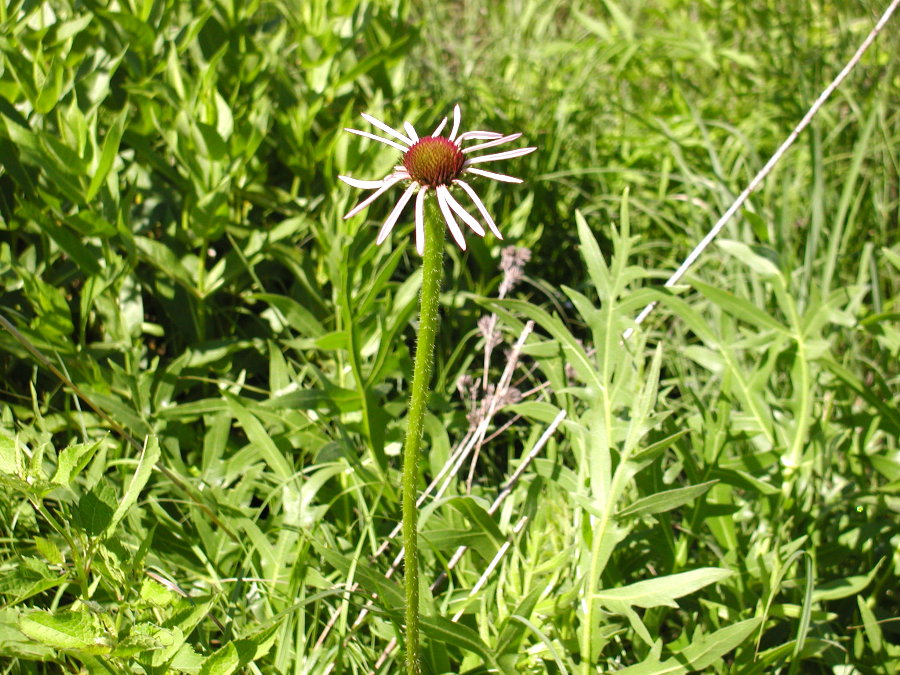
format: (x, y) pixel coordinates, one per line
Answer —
(435, 163)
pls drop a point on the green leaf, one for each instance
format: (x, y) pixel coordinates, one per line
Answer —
(758, 258)
(15, 644)
(843, 588)
(593, 258)
(49, 550)
(29, 577)
(95, 508)
(447, 632)
(512, 632)
(260, 439)
(239, 653)
(223, 661)
(10, 456)
(892, 256)
(759, 226)
(710, 649)
(108, 154)
(574, 352)
(65, 630)
(665, 501)
(297, 316)
(478, 516)
(48, 95)
(740, 308)
(156, 594)
(390, 596)
(146, 461)
(72, 461)
(661, 591)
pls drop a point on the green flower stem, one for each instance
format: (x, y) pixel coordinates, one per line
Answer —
(432, 267)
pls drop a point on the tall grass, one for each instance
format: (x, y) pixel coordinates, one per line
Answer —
(205, 368)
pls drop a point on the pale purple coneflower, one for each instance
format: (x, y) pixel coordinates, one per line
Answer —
(434, 163)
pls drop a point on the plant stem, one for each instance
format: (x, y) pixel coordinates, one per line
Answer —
(432, 267)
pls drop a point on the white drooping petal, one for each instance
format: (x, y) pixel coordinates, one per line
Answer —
(489, 144)
(411, 131)
(440, 128)
(462, 213)
(455, 122)
(441, 192)
(480, 206)
(386, 129)
(502, 177)
(386, 141)
(420, 221)
(477, 135)
(387, 183)
(361, 184)
(509, 154)
(395, 214)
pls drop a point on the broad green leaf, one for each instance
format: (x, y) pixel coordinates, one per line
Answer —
(146, 461)
(15, 644)
(29, 577)
(170, 641)
(10, 457)
(740, 308)
(836, 589)
(757, 258)
(445, 631)
(260, 439)
(95, 509)
(72, 461)
(665, 501)
(574, 351)
(390, 595)
(512, 632)
(49, 550)
(223, 661)
(892, 256)
(141, 638)
(65, 630)
(478, 516)
(710, 649)
(156, 594)
(886, 466)
(297, 316)
(662, 591)
(870, 623)
(593, 258)
(108, 154)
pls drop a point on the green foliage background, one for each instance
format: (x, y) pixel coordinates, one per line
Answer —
(204, 367)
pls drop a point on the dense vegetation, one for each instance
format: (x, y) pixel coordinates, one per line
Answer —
(204, 368)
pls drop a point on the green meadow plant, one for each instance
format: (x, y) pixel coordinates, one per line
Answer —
(432, 165)
(206, 370)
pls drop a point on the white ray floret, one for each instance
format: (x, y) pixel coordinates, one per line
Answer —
(462, 213)
(490, 144)
(395, 214)
(439, 128)
(436, 164)
(377, 138)
(362, 184)
(452, 225)
(386, 129)
(502, 177)
(455, 129)
(509, 154)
